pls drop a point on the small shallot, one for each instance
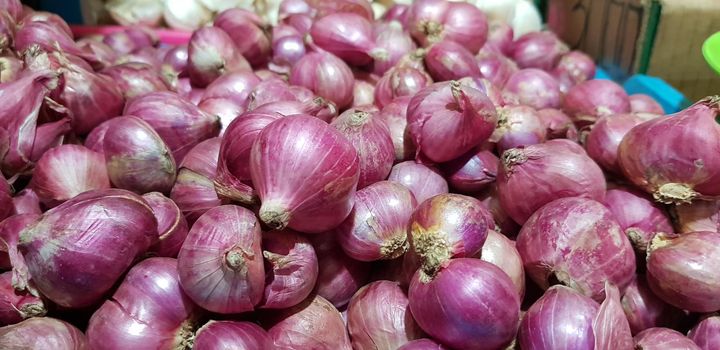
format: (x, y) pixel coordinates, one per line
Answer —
(291, 269)
(424, 182)
(172, 225)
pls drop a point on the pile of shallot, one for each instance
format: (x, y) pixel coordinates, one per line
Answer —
(424, 180)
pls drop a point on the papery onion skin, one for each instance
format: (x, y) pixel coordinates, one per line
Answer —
(436, 235)
(398, 82)
(291, 269)
(370, 136)
(500, 36)
(379, 317)
(395, 40)
(534, 88)
(424, 182)
(583, 233)
(326, 75)
(663, 338)
(558, 124)
(6, 203)
(394, 115)
(184, 15)
(10, 258)
(313, 324)
(239, 335)
(503, 222)
(518, 126)
(321, 195)
(422, 344)
(220, 263)
(211, 53)
(561, 166)
(680, 270)
(325, 7)
(346, 35)
(491, 90)
(637, 215)
(72, 274)
(180, 123)
(172, 225)
(137, 158)
(592, 99)
(430, 110)
(377, 227)
(43, 333)
(641, 103)
(495, 67)
(561, 318)
(17, 306)
(643, 309)
(611, 327)
(135, 79)
(541, 50)
(245, 28)
(235, 86)
(472, 172)
(340, 276)
(706, 334)
(149, 309)
(448, 60)
(130, 13)
(27, 202)
(441, 306)
(10, 69)
(573, 68)
(501, 252)
(225, 109)
(13, 7)
(194, 191)
(177, 59)
(66, 171)
(607, 133)
(432, 21)
(287, 50)
(697, 216)
(681, 173)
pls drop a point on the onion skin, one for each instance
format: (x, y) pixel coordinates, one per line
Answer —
(584, 233)
(466, 284)
(377, 227)
(592, 99)
(495, 67)
(574, 68)
(379, 317)
(531, 177)
(611, 328)
(641, 103)
(518, 126)
(501, 252)
(43, 333)
(340, 276)
(534, 88)
(231, 335)
(313, 324)
(558, 124)
(233, 175)
(561, 319)
(325, 7)
(23, 97)
(235, 86)
(10, 257)
(706, 334)
(172, 226)
(212, 53)
(148, 310)
(639, 217)
(66, 171)
(178, 122)
(363, 93)
(424, 182)
(436, 235)
(432, 21)
(663, 338)
(422, 344)
(10, 68)
(13, 7)
(135, 79)
(6, 202)
(370, 136)
(245, 29)
(644, 310)
(500, 36)
(220, 263)
(603, 142)
(680, 270)
(177, 58)
(542, 50)
(137, 158)
(71, 273)
(503, 222)
(677, 174)
(287, 50)
(398, 82)
(397, 42)
(394, 115)
(448, 60)
(429, 111)
(697, 216)
(326, 75)
(17, 306)
(346, 35)
(27, 202)
(322, 195)
(292, 269)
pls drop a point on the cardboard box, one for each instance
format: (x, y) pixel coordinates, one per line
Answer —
(661, 38)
